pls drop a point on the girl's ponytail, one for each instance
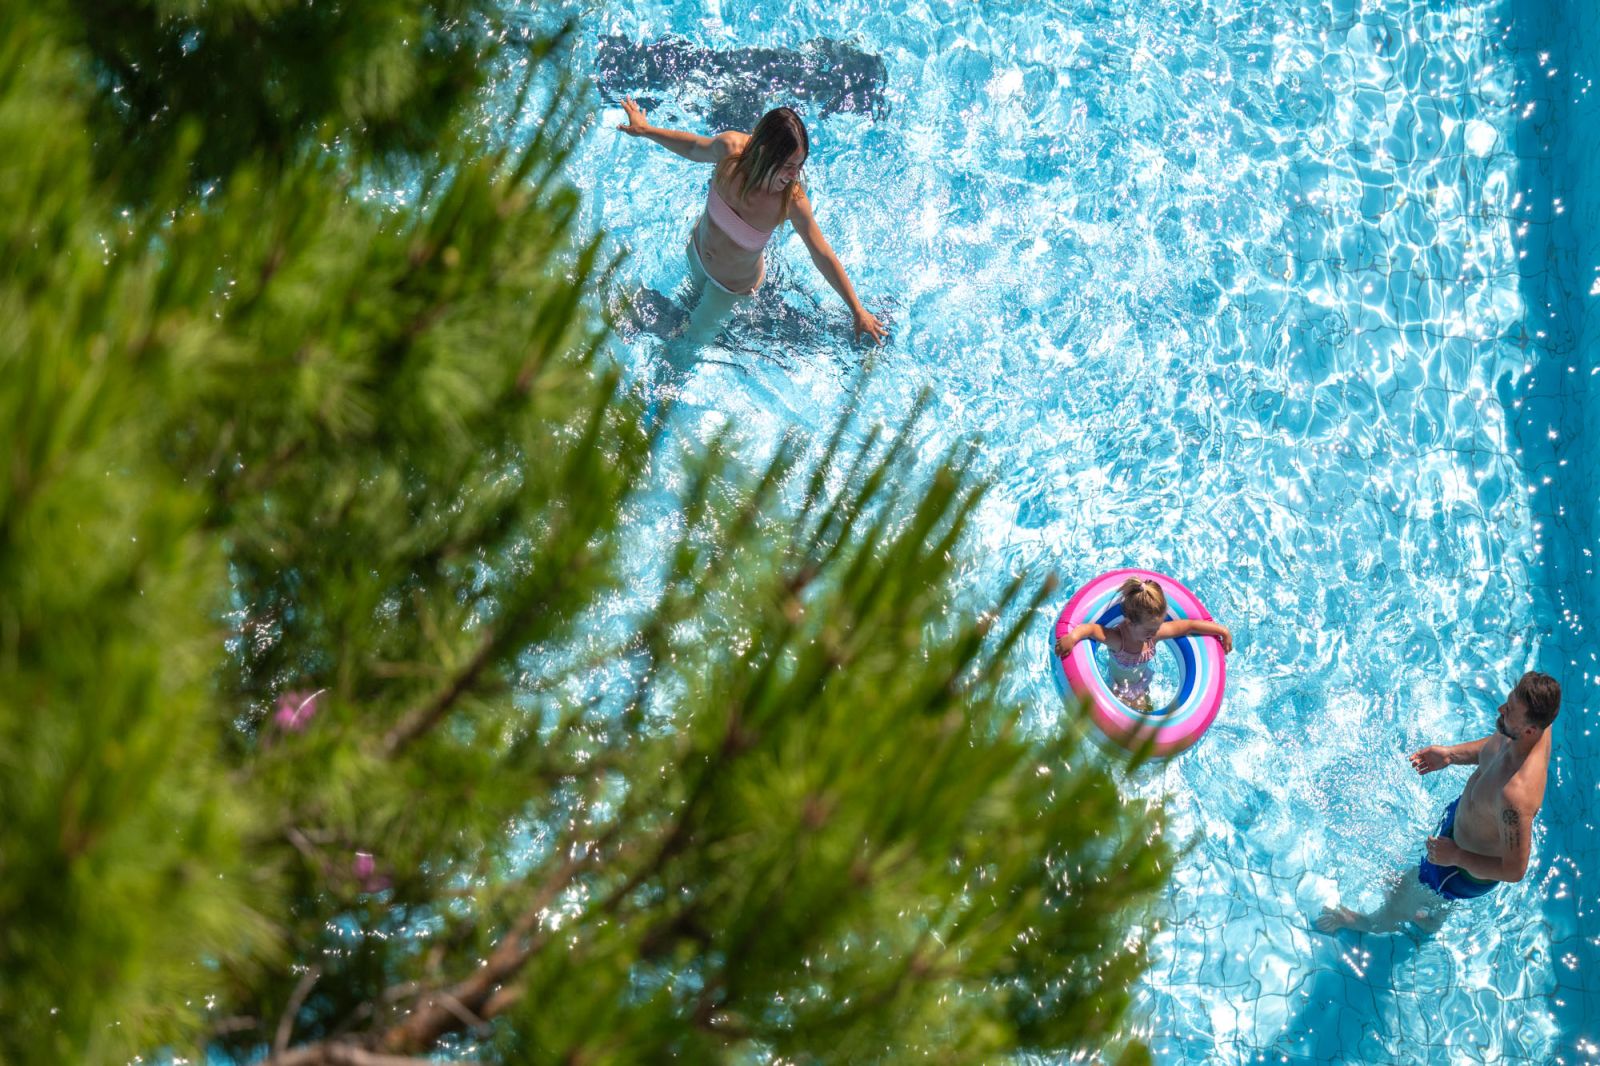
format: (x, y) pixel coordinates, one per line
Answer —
(1142, 600)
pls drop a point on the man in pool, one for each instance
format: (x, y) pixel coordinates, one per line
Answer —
(1483, 837)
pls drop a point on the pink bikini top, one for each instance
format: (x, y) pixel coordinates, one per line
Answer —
(1138, 658)
(741, 232)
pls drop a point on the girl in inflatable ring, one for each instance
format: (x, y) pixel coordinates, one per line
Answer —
(1133, 643)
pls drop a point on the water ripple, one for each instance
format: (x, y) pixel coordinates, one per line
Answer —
(1230, 290)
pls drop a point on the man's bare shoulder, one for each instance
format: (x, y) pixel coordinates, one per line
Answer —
(1525, 791)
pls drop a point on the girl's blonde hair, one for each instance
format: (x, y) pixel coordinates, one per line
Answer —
(1142, 600)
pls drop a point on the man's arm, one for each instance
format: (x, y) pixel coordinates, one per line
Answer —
(1516, 823)
(1435, 757)
(1467, 754)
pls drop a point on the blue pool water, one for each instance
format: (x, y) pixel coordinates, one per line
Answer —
(1255, 293)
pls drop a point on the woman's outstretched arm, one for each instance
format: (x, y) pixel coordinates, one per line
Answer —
(805, 224)
(691, 146)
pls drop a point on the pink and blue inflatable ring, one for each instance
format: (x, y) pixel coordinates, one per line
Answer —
(1172, 728)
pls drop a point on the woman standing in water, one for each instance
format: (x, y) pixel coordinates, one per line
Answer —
(755, 188)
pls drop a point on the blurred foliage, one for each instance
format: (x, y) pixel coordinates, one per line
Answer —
(223, 83)
(311, 511)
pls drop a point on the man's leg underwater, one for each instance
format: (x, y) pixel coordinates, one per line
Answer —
(1408, 900)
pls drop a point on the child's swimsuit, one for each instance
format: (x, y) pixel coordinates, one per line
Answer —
(1451, 882)
(1137, 659)
(1132, 674)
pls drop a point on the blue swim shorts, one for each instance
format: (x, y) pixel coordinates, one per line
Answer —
(1451, 882)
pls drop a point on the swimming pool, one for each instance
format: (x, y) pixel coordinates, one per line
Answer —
(1253, 293)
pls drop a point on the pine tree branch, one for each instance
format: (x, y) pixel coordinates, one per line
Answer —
(259, 477)
(502, 1000)
(465, 1016)
(344, 1054)
(237, 1023)
(484, 995)
(302, 989)
(392, 994)
(441, 1012)
(419, 720)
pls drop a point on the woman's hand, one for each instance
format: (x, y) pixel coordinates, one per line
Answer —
(868, 324)
(636, 124)
(1429, 759)
(1227, 640)
(1064, 645)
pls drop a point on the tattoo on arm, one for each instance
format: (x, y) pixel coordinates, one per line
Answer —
(1511, 828)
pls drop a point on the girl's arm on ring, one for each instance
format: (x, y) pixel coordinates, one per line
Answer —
(1184, 627)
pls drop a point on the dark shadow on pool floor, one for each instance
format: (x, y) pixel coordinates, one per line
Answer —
(732, 88)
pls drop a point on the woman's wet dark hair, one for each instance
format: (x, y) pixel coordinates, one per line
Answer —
(771, 143)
